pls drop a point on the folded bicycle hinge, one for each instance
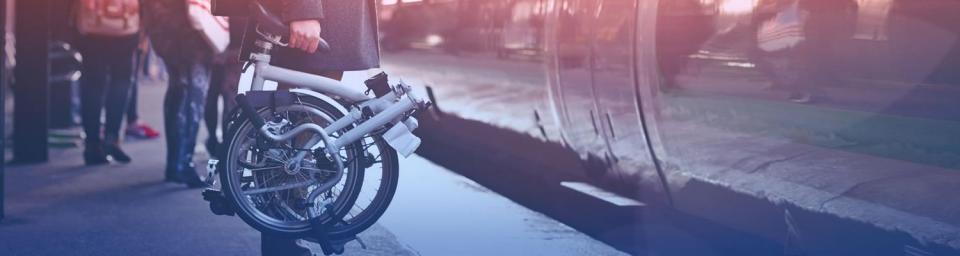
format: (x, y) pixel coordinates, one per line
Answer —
(401, 138)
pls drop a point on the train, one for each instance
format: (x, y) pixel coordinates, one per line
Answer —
(831, 127)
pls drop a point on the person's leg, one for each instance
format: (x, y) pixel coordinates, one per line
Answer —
(211, 110)
(139, 62)
(135, 128)
(229, 88)
(132, 115)
(92, 85)
(118, 94)
(172, 104)
(280, 246)
(186, 103)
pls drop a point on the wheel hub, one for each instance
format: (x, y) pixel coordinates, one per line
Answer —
(291, 168)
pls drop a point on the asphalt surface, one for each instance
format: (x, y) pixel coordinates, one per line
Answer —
(65, 208)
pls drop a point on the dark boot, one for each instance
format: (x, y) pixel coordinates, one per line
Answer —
(188, 175)
(273, 245)
(112, 149)
(93, 154)
(171, 176)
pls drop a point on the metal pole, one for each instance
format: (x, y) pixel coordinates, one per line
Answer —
(31, 88)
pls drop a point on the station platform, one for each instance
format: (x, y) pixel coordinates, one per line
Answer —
(65, 208)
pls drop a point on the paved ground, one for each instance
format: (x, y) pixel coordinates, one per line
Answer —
(64, 208)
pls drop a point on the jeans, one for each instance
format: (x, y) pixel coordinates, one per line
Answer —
(183, 108)
(107, 78)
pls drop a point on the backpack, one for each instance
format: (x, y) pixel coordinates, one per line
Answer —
(108, 17)
(214, 29)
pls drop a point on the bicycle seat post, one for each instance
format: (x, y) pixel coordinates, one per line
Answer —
(260, 56)
(265, 42)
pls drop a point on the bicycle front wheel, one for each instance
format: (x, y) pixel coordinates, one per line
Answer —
(275, 199)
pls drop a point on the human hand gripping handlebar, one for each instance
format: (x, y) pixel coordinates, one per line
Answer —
(271, 24)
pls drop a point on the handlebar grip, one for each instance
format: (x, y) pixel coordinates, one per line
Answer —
(323, 46)
(271, 23)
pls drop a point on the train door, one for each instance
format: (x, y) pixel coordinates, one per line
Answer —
(572, 81)
(614, 81)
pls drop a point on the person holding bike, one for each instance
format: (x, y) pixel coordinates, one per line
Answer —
(350, 28)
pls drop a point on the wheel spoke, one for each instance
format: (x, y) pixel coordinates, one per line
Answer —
(264, 168)
(280, 188)
(317, 170)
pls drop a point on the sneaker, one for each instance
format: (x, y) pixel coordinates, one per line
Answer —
(142, 131)
(188, 175)
(191, 179)
(114, 151)
(94, 155)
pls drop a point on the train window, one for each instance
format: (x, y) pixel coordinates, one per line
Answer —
(816, 103)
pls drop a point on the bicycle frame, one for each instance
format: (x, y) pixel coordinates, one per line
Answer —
(367, 113)
(386, 110)
(386, 118)
(263, 72)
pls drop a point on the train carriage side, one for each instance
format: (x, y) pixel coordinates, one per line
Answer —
(829, 125)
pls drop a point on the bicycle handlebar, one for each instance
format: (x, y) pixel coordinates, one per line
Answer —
(272, 24)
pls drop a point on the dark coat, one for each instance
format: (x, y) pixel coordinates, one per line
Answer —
(350, 26)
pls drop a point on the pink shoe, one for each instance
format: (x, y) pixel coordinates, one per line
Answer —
(142, 131)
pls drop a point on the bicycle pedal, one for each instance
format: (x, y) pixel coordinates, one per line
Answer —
(211, 171)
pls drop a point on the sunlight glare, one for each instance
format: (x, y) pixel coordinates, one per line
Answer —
(738, 6)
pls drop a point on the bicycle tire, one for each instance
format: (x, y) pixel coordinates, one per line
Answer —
(237, 129)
